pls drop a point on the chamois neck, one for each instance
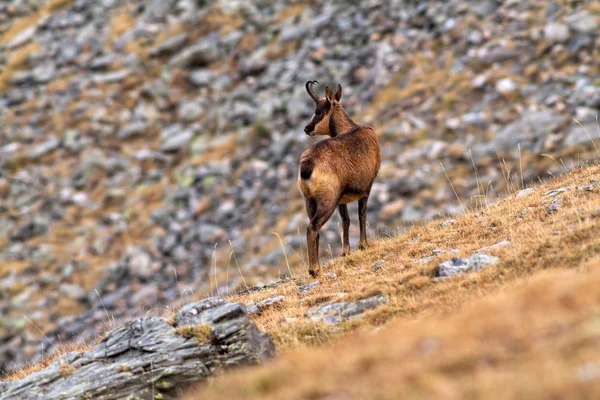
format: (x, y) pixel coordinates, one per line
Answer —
(340, 122)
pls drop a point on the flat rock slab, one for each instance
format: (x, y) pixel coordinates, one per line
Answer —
(148, 358)
(463, 265)
(335, 313)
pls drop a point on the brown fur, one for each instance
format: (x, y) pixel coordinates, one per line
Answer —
(336, 171)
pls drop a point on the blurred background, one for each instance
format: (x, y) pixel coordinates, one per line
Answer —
(149, 148)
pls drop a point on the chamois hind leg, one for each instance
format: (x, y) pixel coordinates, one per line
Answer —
(343, 209)
(362, 220)
(322, 214)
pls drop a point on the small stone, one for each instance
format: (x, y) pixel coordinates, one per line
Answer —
(331, 275)
(554, 206)
(437, 252)
(583, 22)
(586, 188)
(140, 264)
(132, 129)
(269, 302)
(554, 192)
(43, 148)
(526, 192)
(111, 77)
(169, 46)
(505, 86)
(378, 265)
(335, 313)
(556, 33)
(202, 77)
(190, 112)
(73, 291)
(462, 265)
(44, 73)
(310, 286)
(22, 37)
(178, 141)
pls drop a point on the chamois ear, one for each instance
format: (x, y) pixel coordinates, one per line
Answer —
(329, 95)
(338, 93)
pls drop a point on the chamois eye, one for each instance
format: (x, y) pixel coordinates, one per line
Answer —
(318, 113)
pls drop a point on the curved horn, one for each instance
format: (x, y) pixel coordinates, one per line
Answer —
(310, 90)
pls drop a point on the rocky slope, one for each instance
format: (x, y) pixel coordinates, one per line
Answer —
(141, 143)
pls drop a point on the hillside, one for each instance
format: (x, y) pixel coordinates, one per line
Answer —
(525, 327)
(149, 148)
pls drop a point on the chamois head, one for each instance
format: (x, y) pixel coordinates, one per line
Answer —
(324, 107)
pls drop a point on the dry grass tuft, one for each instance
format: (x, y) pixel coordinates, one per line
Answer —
(66, 370)
(123, 368)
(202, 332)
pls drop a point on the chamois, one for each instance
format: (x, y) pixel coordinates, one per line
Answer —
(336, 171)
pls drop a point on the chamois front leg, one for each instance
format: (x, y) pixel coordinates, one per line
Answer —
(362, 220)
(343, 210)
(323, 213)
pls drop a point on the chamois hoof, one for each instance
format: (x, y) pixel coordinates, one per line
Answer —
(314, 272)
(363, 246)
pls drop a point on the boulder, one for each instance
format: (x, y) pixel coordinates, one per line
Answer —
(149, 358)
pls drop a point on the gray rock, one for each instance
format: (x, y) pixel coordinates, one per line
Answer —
(175, 138)
(22, 37)
(335, 313)
(170, 46)
(44, 73)
(463, 265)
(111, 77)
(525, 192)
(102, 63)
(555, 192)
(506, 85)
(44, 148)
(266, 303)
(331, 275)
(555, 33)
(30, 229)
(147, 358)
(308, 287)
(583, 22)
(578, 135)
(132, 129)
(190, 111)
(525, 131)
(73, 291)
(198, 55)
(157, 10)
(140, 264)
(378, 265)
(554, 206)
(202, 77)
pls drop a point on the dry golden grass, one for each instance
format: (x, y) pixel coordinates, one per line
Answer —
(540, 341)
(483, 341)
(202, 332)
(54, 354)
